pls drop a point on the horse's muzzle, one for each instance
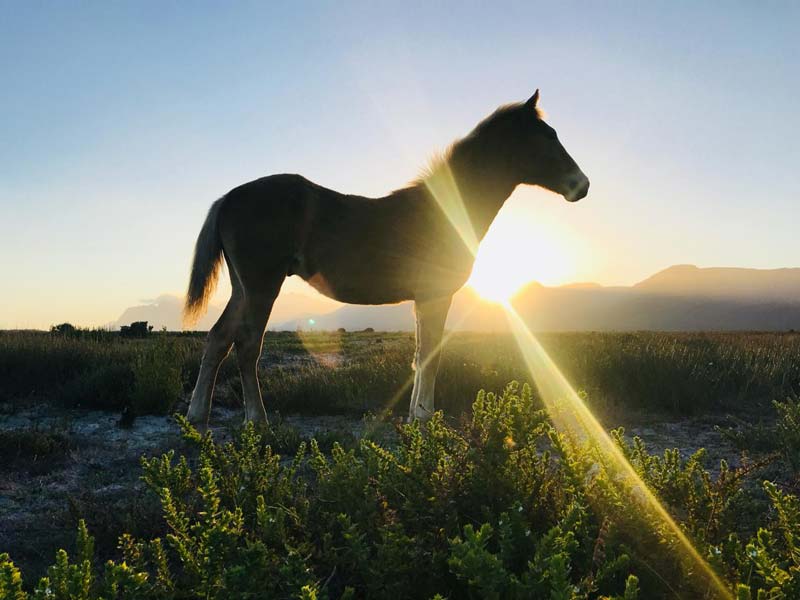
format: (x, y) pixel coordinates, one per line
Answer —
(577, 188)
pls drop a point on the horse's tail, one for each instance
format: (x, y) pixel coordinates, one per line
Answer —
(205, 266)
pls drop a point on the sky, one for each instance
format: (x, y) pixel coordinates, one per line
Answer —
(121, 122)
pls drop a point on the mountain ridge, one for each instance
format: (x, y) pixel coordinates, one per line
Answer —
(678, 298)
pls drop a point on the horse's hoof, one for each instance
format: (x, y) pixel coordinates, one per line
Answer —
(258, 420)
(421, 414)
(197, 420)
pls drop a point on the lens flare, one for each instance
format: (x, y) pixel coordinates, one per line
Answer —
(571, 415)
(567, 410)
(444, 189)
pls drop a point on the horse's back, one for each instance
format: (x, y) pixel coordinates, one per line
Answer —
(353, 248)
(280, 187)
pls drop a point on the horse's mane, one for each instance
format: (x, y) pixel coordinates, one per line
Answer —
(441, 159)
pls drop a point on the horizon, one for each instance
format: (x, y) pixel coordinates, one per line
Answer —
(331, 306)
(128, 120)
(725, 298)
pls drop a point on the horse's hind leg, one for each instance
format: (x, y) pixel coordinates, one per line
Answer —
(249, 338)
(218, 345)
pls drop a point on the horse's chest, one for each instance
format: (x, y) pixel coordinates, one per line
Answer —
(299, 266)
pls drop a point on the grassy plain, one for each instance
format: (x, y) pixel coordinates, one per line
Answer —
(490, 501)
(320, 372)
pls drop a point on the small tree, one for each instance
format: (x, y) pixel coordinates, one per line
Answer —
(137, 329)
(65, 329)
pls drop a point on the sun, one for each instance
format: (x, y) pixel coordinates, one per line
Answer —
(519, 249)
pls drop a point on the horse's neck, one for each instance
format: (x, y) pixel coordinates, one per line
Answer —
(482, 189)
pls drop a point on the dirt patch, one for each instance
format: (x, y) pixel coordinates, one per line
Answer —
(689, 436)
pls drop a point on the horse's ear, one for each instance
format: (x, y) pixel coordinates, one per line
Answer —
(533, 100)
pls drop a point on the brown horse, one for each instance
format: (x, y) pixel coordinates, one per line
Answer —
(418, 243)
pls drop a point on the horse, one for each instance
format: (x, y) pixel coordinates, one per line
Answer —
(417, 243)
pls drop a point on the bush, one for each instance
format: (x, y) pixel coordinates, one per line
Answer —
(105, 387)
(788, 431)
(502, 507)
(64, 329)
(157, 378)
(137, 329)
(31, 445)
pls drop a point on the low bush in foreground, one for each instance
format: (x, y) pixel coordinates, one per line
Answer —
(503, 506)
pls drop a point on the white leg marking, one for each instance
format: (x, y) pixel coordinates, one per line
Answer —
(431, 316)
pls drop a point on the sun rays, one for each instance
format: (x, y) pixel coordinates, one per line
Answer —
(520, 247)
(497, 275)
(569, 413)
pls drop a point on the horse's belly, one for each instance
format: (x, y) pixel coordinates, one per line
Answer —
(354, 282)
(379, 273)
(353, 291)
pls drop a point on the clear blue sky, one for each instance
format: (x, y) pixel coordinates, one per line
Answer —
(120, 122)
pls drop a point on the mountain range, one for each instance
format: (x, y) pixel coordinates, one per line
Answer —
(165, 311)
(679, 298)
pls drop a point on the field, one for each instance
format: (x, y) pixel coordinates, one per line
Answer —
(487, 501)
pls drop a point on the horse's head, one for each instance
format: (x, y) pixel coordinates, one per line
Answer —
(533, 153)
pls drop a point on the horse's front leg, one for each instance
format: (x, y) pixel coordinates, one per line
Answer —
(431, 316)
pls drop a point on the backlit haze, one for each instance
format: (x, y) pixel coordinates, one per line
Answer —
(121, 122)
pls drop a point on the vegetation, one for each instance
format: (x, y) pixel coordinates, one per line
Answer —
(30, 445)
(502, 506)
(492, 503)
(342, 372)
(137, 329)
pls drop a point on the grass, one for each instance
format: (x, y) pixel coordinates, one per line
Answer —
(30, 445)
(491, 502)
(319, 373)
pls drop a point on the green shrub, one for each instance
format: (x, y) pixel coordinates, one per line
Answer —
(501, 507)
(157, 378)
(30, 444)
(787, 431)
(104, 387)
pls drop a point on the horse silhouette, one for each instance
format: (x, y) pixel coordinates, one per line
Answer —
(417, 243)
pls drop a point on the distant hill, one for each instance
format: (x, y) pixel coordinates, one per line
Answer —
(680, 298)
(727, 283)
(165, 311)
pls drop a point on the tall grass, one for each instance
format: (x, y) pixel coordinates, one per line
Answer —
(101, 372)
(354, 372)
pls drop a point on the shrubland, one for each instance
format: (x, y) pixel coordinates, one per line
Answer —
(500, 505)
(490, 502)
